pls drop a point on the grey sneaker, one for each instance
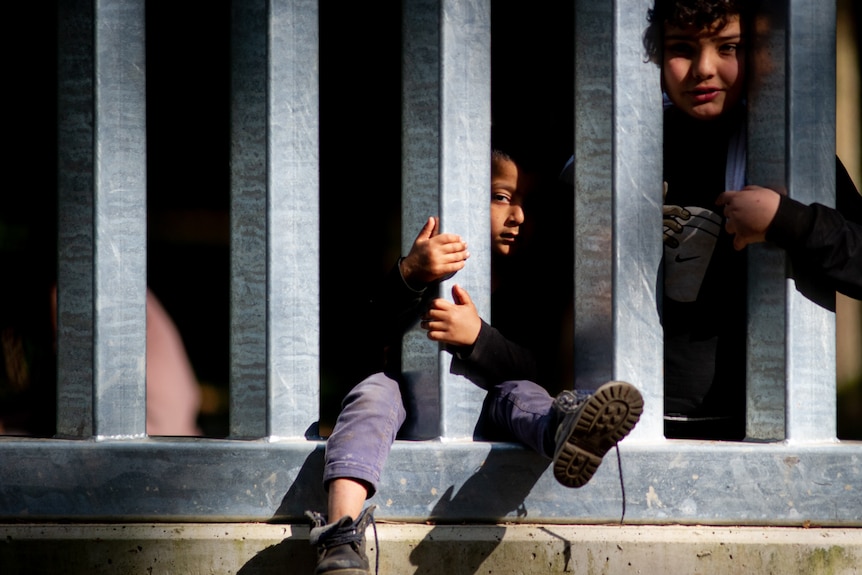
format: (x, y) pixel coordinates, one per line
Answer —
(593, 423)
(341, 545)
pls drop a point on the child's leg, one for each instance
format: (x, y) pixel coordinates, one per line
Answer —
(521, 411)
(576, 429)
(346, 497)
(360, 443)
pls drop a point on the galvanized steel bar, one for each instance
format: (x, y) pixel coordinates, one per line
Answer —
(293, 354)
(811, 397)
(465, 175)
(248, 335)
(120, 220)
(617, 175)
(593, 181)
(637, 174)
(75, 195)
(420, 197)
(791, 359)
(679, 482)
(766, 165)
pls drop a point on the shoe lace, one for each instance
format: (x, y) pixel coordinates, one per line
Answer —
(568, 401)
(622, 483)
(376, 547)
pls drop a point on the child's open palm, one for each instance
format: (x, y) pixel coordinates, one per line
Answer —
(433, 256)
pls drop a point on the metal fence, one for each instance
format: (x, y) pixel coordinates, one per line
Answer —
(102, 466)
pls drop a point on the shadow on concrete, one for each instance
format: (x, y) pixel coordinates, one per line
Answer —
(306, 492)
(497, 489)
(567, 549)
(294, 554)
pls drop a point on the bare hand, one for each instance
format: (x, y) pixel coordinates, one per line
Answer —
(748, 213)
(453, 323)
(671, 217)
(433, 255)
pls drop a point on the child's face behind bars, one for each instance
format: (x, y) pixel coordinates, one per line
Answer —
(703, 71)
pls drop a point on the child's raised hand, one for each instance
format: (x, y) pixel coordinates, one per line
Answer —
(433, 255)
(453, 323)
(748, 213)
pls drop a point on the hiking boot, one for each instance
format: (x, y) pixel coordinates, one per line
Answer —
(591, 425)
(340, 545)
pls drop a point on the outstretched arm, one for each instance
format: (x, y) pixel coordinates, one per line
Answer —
(824, 244)
(748, 213)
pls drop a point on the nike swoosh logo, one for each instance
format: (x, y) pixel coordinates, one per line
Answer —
(680, 260)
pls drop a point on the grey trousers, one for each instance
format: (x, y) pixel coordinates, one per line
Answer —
(373, 412)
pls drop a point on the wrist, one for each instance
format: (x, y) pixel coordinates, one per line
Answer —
(791, 223)
(404, 271)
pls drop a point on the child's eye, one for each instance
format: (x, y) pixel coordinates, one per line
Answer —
(728, 49)
(499, 197)
(679, 49)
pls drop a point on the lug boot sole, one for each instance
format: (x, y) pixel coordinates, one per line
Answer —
(587, 434)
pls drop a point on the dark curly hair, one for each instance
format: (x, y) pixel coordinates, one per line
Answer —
(698, 14)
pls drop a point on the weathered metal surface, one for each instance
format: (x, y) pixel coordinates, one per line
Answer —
(791, 148)
(293, 246)
(617, 178)
(207, 480)
(75, 185)
(120, 166)
(249, 129)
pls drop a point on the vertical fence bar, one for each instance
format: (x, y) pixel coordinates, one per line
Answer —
(293, 289)
(811, 399)
(617, 176)
(637, 212)
(465, 175)
(791, 358)
(75, 185)
(420, 195)
(766, 165)
(248, 391)
(120, 220)
(593, 180)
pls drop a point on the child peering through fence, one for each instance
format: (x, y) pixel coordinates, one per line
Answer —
(575, 429)
(700, 47)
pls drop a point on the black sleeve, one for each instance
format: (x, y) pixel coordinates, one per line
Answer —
(497, 358)
(824, 245)
(396, 306)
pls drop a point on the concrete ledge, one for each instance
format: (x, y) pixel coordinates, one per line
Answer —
(257, 549)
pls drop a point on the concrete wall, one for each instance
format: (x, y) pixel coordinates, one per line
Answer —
(258, 549)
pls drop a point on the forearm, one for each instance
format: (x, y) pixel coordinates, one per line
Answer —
(395, 306)
(824, 247)
(498, 359)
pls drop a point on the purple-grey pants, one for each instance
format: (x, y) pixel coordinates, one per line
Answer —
(373, 412)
